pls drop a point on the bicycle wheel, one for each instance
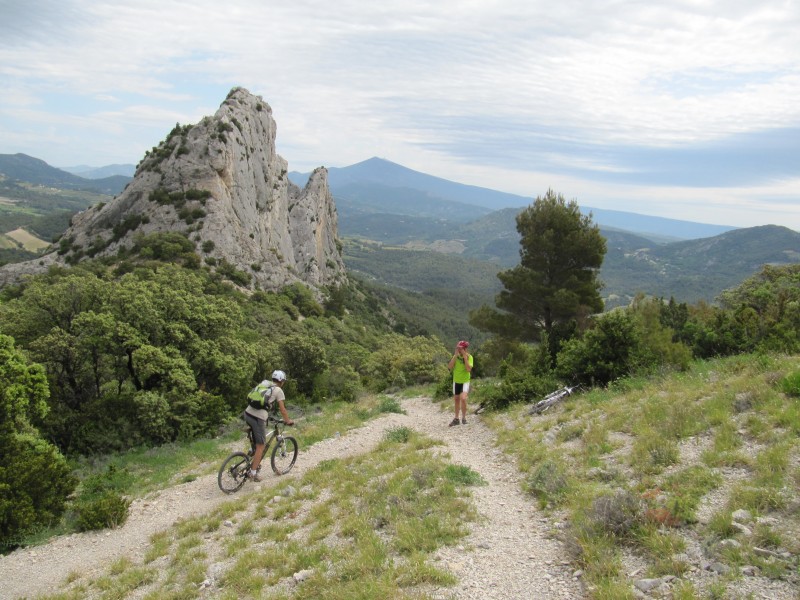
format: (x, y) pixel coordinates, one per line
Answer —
(233, 472)
(284, 454)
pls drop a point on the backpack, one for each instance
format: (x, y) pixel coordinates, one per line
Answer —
(260, 397)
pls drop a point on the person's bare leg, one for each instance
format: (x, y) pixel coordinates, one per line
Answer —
(259, 451)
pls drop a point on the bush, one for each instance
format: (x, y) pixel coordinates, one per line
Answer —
(304, 358)
(549, 482)
(401, 361)
(34, 477)
(303, 298)
(790, 385)
(108, 510)
(100, 503)
(616, 513)
(517, 386)
(35, 481)
(399, 435)
(605, 353)
(390, 405)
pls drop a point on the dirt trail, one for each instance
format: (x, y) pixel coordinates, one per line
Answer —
(507, 555)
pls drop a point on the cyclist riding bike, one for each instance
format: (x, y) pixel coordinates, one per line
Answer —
(257, 418)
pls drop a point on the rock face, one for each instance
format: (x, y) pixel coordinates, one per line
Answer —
(222, 183)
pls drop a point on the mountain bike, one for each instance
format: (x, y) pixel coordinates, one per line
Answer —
(235, 469)
(552, 398)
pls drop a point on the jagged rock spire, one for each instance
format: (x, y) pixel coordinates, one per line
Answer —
(222, 184)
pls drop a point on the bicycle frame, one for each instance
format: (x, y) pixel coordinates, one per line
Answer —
(235, 469)
(274, 434)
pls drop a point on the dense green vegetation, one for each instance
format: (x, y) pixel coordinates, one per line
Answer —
(34, 477)
(153, 349)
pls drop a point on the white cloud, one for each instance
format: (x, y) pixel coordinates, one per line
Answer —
(415, 82)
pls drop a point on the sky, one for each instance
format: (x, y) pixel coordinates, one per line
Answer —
(687, 109)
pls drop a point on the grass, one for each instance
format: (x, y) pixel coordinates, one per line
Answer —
(650, 451)
(362, 527)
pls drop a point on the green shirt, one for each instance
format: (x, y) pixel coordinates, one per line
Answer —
(460, 373)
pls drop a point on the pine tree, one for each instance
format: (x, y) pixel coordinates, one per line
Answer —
(555, 284)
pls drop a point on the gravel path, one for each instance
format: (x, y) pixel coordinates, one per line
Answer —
(507, 554)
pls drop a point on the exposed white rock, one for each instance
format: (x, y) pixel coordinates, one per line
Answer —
(258, 221)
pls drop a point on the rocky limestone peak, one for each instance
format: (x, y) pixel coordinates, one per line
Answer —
(222, 184)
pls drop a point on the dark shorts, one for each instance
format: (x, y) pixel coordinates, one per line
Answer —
(460, 388)
(259, 428)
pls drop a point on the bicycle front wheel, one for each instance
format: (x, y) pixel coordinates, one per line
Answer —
(284, 454)
(233, 472)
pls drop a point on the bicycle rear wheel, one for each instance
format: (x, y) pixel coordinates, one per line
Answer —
(233, 472)
(284, 454)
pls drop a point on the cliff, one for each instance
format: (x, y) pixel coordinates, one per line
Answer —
(222, 184)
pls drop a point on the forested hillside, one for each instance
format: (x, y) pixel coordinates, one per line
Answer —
(690, 271)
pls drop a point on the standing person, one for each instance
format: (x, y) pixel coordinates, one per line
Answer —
(257, 417)
(461, 366)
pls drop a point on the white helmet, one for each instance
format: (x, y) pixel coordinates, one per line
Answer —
(278, 375)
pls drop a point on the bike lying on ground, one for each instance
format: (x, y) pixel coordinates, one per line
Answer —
(552, 398)
(235, 469)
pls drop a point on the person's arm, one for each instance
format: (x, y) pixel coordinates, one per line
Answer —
(468, 363)
(284, 414)
(452, 363)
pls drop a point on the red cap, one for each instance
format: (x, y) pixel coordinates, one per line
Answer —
(463, 344)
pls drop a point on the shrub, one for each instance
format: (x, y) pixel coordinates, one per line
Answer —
(168, 246)
(34, 477)
(230, 272)
(108, 510)
(402, 361)
(303, 298)
(463, 475)
(399, 435)
(304, 357)
(790, 385)
(616, 513)
(339, 382)
(35, 481)
(605, 353)
(390, 405)
(518, 385)
(549, 482)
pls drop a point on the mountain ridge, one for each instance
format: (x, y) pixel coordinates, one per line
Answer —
(386, 174)
(377, 185)
(22, 167)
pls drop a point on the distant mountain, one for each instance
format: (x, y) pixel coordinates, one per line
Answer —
(689, 270)
(378, 185)
(88, 172)
(21, 167)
